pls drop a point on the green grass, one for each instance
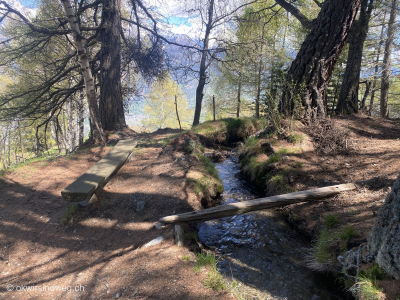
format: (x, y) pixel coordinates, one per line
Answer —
(214, 279)
(298, 164)
(295, 138)
(205, 259)
(274, 158)
(374, 273)
(347, 233)
(321, 251)
(366, 289)
(208, 165)
(193, 235)
(230, 130)
(202, 186)
(329, 244)
(186, 257)
(331, 221)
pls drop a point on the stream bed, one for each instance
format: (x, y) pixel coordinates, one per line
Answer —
(260, 250)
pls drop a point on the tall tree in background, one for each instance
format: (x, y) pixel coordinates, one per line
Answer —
(87, 73)
(312, 68)
(100, 23)
(348, 97)
(204, 61)
(160, 106)
(387, 59)
(111, 101)
(214, 13)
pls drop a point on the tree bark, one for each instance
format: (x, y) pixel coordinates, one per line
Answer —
(111, 102)
(366, 94)
(386, 60)
(348, 97)
(258, 93)
(312, 68)
(378, 55)
(177, 114)
(384, 238)
(72, 126)
(238, 96)
(87, 73)
(81, 120)
(20, 140)
(203, 65)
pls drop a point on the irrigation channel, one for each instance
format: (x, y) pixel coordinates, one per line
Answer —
(260, 250)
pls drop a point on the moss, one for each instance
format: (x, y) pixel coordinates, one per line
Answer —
(205, 181)
(230, 130)
(208, 165)
(69, 213)
(239, 129)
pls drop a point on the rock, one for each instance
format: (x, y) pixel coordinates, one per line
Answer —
(350, 261)
(160, 226)
(270, 130)
(217, 156)
(189, 145)
(140, 206)
(340, 259)
(153, 242)
(268, 149)
(384, 238)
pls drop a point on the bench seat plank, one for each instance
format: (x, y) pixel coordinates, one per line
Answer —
(98, 175)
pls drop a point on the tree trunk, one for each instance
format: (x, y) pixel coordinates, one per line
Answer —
(111, 102)
(81, 120)
(386, 60)
(366, 94)
(21, 140)
(57, 134)
(348, 97)
(177, 114)
(203, 66)
(312, 68)
(214, 107)
(378, 55)
(72, 125)
(87, 74)
(384, 238)
(258, 94)
(238, 96)
(242, 207)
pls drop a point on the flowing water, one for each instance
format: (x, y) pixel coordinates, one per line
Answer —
(259, 249)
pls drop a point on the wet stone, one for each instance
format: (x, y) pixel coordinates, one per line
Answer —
(140, 206)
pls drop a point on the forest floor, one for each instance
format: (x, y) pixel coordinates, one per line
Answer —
(101, 253)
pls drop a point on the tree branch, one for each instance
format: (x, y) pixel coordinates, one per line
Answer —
(9, 9)
(296, 13)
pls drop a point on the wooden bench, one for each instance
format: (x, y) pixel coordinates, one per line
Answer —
(85, 187)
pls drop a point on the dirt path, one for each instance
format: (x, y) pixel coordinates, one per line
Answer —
(101, 253)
